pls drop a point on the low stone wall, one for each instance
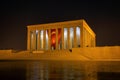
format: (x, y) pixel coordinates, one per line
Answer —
(99, 52)
(89, 53)
(5, 51)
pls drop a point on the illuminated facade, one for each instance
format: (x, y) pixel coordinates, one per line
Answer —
(60, 35)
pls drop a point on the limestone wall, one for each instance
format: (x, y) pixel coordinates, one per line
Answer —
(5, 51)
(99, 53)
(88, 53)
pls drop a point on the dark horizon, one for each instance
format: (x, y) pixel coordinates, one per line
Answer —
(102, 16)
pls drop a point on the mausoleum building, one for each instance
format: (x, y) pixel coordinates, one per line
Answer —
(60, 35)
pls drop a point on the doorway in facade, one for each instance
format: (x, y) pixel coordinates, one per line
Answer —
(55, 37)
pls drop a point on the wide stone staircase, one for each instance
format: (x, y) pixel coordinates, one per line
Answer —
(43, 55)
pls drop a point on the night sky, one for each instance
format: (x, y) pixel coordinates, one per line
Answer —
(103, 16)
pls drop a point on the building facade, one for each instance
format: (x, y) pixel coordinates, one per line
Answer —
(60, 35)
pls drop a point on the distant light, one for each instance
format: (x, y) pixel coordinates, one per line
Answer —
(36, 31)
(41, 34)
(78, 31)
(32, 36)
(65, 32)
(46, 35)
(71, 32)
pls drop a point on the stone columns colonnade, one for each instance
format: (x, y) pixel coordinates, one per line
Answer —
(67, 35)
(35, 37)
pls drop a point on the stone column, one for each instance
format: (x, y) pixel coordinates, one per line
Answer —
(87, 38)
(28, 40)
(81, 36)
(38, 41)
(62, 38)
(68, 35)
(44, 40)
(94, 38)
(34, 40)
(75, 41)
(56, 39)
(49, 39)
